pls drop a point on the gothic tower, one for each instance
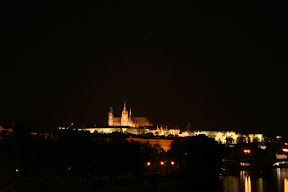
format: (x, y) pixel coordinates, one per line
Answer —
(130, 119)
(110, 117)
(130, 116)
(124, 117)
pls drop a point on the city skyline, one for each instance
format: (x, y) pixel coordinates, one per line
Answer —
(207, 65)
(143, 96)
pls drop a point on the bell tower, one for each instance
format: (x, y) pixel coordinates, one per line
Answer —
(124, 117)
(110, 117)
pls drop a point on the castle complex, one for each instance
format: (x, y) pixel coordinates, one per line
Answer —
(126, 119)
(141, 126)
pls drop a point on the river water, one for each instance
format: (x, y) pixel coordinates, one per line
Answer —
(245, 181)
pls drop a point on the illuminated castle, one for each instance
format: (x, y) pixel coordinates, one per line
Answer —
(127, 119)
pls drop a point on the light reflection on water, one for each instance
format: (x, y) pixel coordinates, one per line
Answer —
(245, 182)
(282, 176)
(285, 185)
(230, 184)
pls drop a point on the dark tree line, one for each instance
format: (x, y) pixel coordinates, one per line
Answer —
(71, 155)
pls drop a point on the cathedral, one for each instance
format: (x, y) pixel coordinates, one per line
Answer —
(126, 119)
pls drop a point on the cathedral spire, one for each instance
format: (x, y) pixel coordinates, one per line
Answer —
(130, 113)
(110, 117)
(124, 108)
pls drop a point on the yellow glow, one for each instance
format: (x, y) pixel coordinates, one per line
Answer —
(248, 184)
(17, 170)
(245, 164)
(148, 163)
(247, 151)
(162, 163)
(285, 185)
(285, 143)
(172, 162)
(164, 143)
(285, 149)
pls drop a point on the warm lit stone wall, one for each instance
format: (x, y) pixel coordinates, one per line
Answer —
(104, 130)
(164, 143)
(219, 136)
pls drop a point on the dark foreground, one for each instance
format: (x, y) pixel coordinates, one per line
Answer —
(275, 180)
(152, 184)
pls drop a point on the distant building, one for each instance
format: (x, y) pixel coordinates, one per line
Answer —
(160, 131)
(119, 129)
(126, 119)
(140, 126)
(230, 136)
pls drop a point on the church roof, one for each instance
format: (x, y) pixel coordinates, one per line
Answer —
(139, 119)
(117, 119)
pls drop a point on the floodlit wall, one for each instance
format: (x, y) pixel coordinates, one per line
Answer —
(258, 137)
(164, 143)
(219, 136)
(224, 136)
(185, 134)
(104, 130)
(165, 132)
(136, 131)
(281, 156)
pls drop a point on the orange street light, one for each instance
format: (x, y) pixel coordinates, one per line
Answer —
(148, 163)
(247, 151)
(285, 150)
(17, 170)
(172, 162)
(162, 162)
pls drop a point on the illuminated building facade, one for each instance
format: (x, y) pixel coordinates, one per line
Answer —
(224, 137)
(230, 136)
(140, 126)
(126, 119)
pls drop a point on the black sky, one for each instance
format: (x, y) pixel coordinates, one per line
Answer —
(218, 65)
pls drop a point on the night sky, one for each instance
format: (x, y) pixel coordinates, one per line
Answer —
(218, 65)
